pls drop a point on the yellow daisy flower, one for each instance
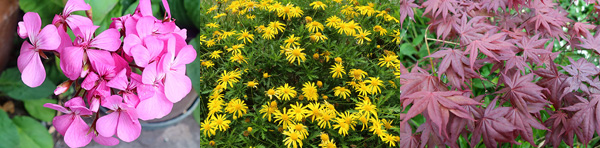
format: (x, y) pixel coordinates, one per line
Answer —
(237, 108)
(283, 118)
(316, 37)
(388, 61)
(326, 116)
(208, 128)
(293, 138)
(286, 92)
(291, 40)
(212, 25)
(215, 54)
(238, 58)
(269, 109)
(314, 110)
(341, 91)
(295, 53)
(245, 36)
(314, 26)
(271, 92)
(318, 4)
(362, 35)
(382, 31)
(374, 84)
(366, 108)
(357, 74)
(252, 84)
(208, 63)
(309, 90)
(333, 21)
(298, 111)
(276, 27)
(220, 122)
(337, 70)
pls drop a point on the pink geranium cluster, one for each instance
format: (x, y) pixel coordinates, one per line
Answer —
(103, 70)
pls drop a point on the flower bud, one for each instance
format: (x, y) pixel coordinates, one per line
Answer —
(246, 133)
(338, 59)
(301, 97)
(324, 137)
(211, 143)
(266, 75)
(308, 19)
(63, 87)
(247, 120)
(319, 84)
(316, 56)
(325, 97)
(249, 129)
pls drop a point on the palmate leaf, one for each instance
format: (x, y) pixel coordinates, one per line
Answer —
(493, 126)
(521, 92)
(486, 44)
(437, 106)
(586, 117)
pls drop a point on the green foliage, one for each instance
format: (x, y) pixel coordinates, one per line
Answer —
(36, 109)
(12, 86)
(45, 8)
(7, 132)
(32, 134)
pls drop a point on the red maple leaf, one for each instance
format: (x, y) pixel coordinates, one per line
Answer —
(521, 92)
(586, 117)
(485, 45)
(438, 106)
(493, 126)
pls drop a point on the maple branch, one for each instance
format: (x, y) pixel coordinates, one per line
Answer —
(443, 41)
(428, 51)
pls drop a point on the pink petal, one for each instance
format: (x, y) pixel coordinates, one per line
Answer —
(131, 99)
(95, 104)
(150, 74)
(80, 110)
(145, 91)
(74, 21)
(107, 124)
(75, 5)
(32, 24)
(62, 123)
(112, 102)
(121, 63)
(130, 41)
(130, 27)
(22, 30)
(27, 54)
(57, 107)
(77, 101)
(107, 141)
(177, 86)
(33, 74)
(154, 46)
(65, 39)
(141, 55)
(48, 38)
(86, 32)
(145, 26)
(100, 60)
(186, 55)
(90, 81)
(154, 107)
(145, 7)
(102, 89)
(128, 130)
(167, 9)
(77, 134)
(72, 62)
(119, 82)
(109, 40)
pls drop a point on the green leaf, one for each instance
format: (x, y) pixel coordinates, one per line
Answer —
(197, 115)
(407, 49)
(105, 23)
(194, 12)
(193, 69)
(45, 8)
(11, 85)
(32, 133)
(101, 8)
(8, 130)
(36, 109)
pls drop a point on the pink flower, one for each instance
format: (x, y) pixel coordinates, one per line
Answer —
(73, 21)
(153, 102)
(123, 120)
(29, 62)
(71, 125)
(127, 88)
(177, 84)
(72, 58)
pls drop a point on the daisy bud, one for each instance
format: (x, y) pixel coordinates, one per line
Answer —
(338, 59)
(316, 56)
(249, 129)
(324, 137)
(320, 84)
(211, 143)
(308, 19)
